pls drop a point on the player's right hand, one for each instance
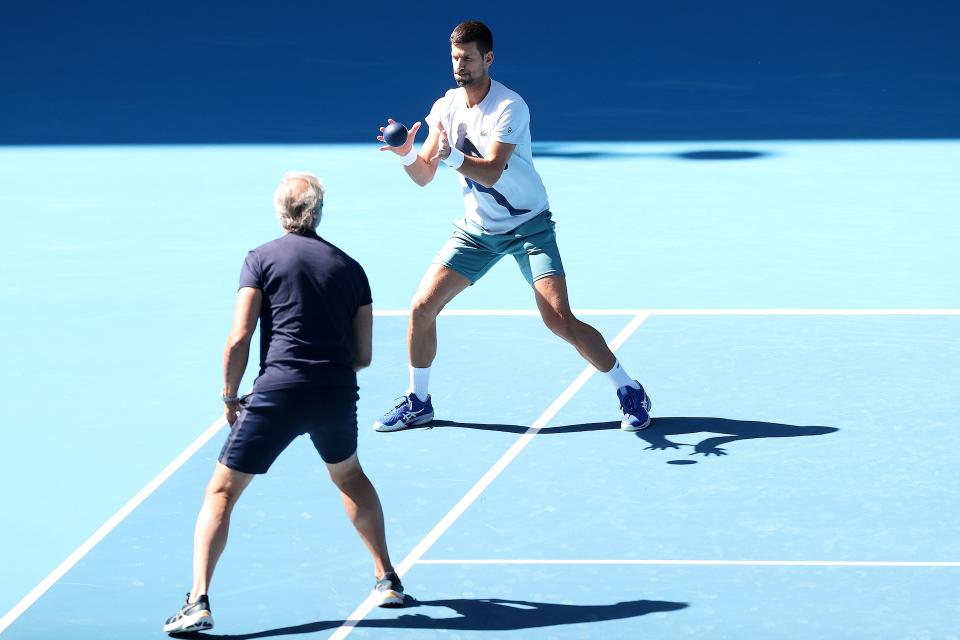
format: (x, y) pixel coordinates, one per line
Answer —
(405, 148)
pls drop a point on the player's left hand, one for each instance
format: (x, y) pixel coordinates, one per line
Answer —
(443, 151)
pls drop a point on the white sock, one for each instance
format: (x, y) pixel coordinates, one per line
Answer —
(419, 381)
(619, 377)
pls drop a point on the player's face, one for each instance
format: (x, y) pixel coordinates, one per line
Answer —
(469, 67)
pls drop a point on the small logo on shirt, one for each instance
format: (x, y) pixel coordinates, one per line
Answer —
(509, 129)
(483, 134)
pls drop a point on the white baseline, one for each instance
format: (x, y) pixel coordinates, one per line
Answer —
(733, 563)
(386, 313)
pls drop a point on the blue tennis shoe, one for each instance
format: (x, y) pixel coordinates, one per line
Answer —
(636, 408)
(410, 411)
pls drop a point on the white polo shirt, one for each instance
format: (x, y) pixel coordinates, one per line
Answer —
(502, 115)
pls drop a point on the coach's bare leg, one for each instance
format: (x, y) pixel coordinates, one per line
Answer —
(554, 306)
(362, 503)
(439, 286)
(213, 524)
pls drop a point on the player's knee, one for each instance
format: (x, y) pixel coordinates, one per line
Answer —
(347, 472)
(423, 310)
(345, 478)
(226, 485)
(222, 494)
(561, 324)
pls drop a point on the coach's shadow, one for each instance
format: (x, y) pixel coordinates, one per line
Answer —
(485, 614)
(656, 434)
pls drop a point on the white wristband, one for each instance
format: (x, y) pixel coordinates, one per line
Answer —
(455, 159)
(409, 158)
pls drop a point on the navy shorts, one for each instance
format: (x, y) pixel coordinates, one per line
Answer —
(268, 421)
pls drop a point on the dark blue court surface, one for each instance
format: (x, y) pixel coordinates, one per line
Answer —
(295, 72)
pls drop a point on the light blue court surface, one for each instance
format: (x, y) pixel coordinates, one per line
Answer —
(798, 481)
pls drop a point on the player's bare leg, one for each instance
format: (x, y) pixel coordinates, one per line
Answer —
(363, 508)
(439, 286)
(554, 306)
(213, 524)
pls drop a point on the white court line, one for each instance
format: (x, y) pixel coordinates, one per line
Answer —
(441, 527)
(736, 563)
(686, 312)
(109, 525)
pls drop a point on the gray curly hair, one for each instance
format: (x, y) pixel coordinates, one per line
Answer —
(298, 202)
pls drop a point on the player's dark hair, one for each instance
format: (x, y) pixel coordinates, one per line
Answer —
(473, 31)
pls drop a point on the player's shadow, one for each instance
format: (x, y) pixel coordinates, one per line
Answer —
(579, 153)
(731, 430)
(656, 434)
(485, 614)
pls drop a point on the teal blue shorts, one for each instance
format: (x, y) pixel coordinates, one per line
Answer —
(472, 252)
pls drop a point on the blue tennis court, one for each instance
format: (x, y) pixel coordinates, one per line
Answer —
(791, 307)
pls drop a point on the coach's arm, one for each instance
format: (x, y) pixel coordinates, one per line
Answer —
(363, 337)
(246, 311)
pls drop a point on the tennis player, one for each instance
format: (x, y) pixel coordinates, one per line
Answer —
(315, 310)
(481, 129)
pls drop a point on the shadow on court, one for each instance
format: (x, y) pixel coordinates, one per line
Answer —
(487, 614)
(579, 153)
(656, 434)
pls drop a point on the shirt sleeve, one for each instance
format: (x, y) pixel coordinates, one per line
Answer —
(513, 124)
(366, 296)
(438, 111)
(250, 274)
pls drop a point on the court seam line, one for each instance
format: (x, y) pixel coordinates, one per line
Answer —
(388, 313)
(369, 603)
(44, 585)
(743, 563)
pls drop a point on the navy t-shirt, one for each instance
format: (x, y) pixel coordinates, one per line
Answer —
(311, 293)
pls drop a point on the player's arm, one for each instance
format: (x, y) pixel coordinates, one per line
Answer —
(485, 171)
(488, 170)
(421, 170)
(246, 311)
(363, 337)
